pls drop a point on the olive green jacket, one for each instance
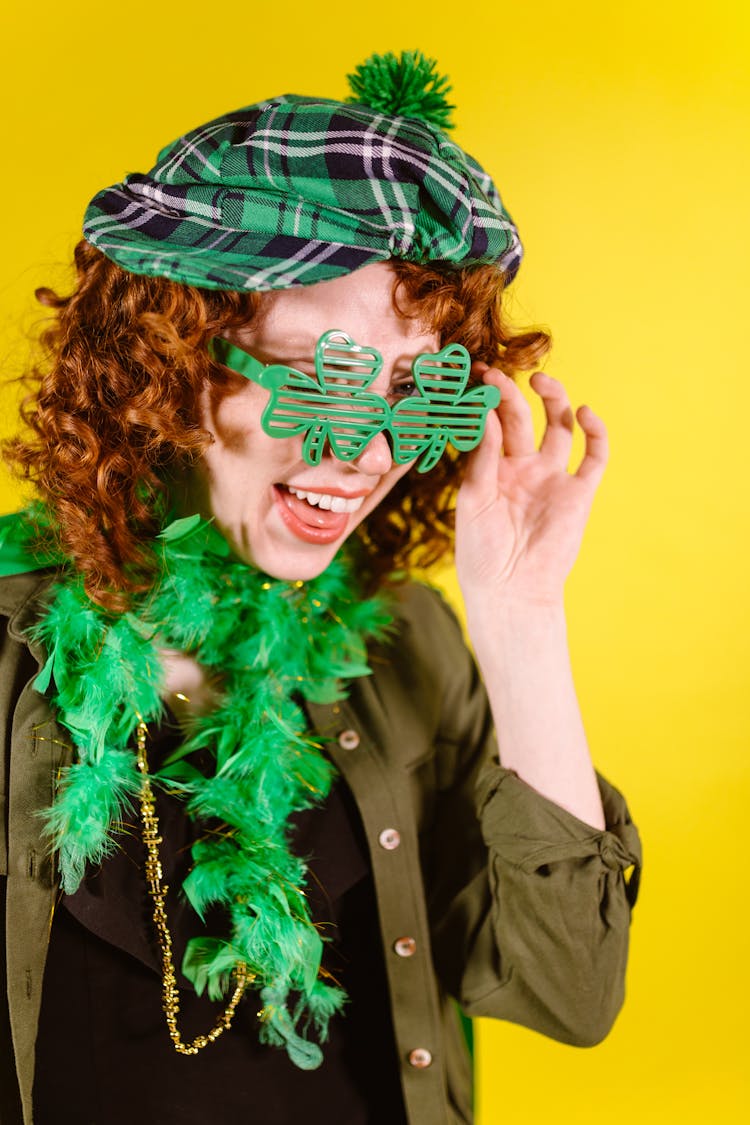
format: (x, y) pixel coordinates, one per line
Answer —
(517, 909)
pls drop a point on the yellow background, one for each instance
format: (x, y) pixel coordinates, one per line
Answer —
(619, 141)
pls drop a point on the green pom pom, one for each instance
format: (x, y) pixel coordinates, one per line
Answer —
(406, 86)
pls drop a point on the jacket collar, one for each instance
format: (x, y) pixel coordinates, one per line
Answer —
(21, 600)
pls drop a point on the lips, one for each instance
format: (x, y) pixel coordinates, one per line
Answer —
(309, 522)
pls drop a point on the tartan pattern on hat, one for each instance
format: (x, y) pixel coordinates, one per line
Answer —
(298, 190)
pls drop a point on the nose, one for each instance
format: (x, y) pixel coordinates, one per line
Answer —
(376, 458)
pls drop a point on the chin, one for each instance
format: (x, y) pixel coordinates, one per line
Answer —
(288, 565)
(302, 572)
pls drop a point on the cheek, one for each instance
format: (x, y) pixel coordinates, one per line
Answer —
(233, 417)
(386, 485)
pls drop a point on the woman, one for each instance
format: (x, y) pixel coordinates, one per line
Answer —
(278, 810)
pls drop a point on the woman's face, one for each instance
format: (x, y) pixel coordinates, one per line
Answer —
(276, 511)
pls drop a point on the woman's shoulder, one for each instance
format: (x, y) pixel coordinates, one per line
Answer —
(423, 608)
(21, 596)
(426, 639)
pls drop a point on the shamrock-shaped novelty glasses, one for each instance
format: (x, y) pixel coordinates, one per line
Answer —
(335, 406)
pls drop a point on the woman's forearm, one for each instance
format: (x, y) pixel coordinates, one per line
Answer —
(523, 654)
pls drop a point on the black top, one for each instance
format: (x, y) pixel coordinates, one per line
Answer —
(104, 1056)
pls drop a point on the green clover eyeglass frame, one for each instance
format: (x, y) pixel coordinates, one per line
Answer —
(335, 408)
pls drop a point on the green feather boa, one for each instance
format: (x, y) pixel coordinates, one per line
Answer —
(270, 641)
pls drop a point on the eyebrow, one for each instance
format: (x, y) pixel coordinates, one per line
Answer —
(293, 345)
(245, 363)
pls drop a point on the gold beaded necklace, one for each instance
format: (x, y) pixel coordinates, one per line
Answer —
(158, 892)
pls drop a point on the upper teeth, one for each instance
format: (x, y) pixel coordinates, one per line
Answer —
(328, 503)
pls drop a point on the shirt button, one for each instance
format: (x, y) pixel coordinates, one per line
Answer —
(389, 839)
(420, 1057)
(405, 946)
(348, 740)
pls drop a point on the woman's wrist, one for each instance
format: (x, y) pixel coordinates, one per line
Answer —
(503, 620)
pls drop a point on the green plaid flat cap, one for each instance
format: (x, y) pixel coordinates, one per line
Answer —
(298, 190)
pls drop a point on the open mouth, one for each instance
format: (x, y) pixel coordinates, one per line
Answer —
(315, 517)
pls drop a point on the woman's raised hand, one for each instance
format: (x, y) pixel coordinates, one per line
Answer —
(520, 514)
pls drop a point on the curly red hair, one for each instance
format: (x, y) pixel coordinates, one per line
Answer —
(114, 411)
